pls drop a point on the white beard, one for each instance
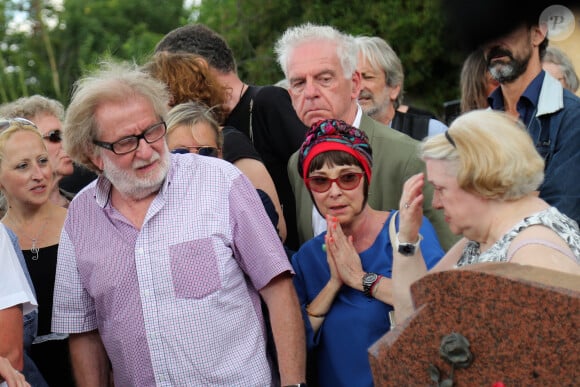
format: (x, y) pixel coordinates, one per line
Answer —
(132, 186)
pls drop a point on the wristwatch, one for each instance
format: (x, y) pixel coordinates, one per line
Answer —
(407, 249)
(367, 282)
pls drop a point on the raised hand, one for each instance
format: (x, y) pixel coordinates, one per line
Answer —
(411, 208)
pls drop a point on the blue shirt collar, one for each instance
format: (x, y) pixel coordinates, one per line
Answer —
(528, 102)
(532, 92)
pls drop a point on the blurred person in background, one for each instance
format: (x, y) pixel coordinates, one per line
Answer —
(560, 67)
(381, 94)
(476, 83)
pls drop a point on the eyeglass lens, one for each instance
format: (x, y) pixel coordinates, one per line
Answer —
(131, 143)
(53, 136)
(208, 151)
(200, 150)
(180, 151)
(347, 181)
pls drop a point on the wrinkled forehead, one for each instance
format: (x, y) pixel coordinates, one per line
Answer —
(124, 117)
(313, 54)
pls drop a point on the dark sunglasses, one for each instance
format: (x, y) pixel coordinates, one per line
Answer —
(5, 124)
(53, 136)
(200, 150)
(346, 181)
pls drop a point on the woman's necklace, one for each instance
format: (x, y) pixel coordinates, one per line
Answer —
(34, 249)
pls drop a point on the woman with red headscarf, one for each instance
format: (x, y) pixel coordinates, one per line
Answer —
(343, 276)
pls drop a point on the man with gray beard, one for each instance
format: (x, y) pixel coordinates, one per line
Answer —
(381, 92)
(164, 258)
(550, 113)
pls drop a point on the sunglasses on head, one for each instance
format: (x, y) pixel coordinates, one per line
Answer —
(5, 124)
(347, 181)
(200, 150)
(53, 136)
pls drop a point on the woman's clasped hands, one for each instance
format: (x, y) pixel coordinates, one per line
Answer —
(343, 260)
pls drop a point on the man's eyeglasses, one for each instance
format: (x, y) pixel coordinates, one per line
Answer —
(5, 124)
(200, 150)
(128, 144)
(346, 181)
(54, 136)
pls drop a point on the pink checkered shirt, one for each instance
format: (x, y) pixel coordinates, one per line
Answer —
(175, 302)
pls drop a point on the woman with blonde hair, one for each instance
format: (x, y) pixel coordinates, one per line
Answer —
(26, 180)
(47, 114)
(485, 172)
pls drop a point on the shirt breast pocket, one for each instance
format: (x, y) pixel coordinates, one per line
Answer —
(194, 269)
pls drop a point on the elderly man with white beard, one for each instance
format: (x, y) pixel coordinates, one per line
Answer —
(163, 259)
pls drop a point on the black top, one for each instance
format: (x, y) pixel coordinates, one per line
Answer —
(420, 112)
(277, 133)
(413, 125)
(80, 177)
(238, 146)
(42, 273)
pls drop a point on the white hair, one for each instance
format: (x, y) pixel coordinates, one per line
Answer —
(293, 37)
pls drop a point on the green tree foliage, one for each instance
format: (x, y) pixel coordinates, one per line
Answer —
(415, 30)
(76, 37)
(51, 46)
(123, 29)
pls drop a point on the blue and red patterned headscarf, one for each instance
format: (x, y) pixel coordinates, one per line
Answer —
(335, 135)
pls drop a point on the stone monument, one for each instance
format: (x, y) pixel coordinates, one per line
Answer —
(521, 323)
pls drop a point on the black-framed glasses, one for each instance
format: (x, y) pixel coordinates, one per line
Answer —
(5, 124)
(346, 181)
(130, 143)
(54, 136)
(200, 150)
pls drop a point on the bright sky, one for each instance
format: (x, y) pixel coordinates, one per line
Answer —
(20, 22)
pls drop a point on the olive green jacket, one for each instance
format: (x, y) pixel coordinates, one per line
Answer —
(395, 159)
